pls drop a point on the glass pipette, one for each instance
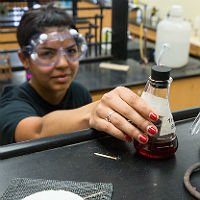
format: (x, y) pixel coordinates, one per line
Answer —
(195, 127)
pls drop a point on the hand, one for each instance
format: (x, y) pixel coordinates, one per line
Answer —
(124, 115)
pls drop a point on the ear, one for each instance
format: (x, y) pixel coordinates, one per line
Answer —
(24, 59)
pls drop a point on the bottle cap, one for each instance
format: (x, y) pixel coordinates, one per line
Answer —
(160, 73)
(176, 11)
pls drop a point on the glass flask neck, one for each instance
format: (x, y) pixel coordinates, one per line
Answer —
(158, 88)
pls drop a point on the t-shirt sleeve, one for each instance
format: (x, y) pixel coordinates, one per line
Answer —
(10, 115)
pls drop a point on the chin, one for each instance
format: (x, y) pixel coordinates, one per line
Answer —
(61, 87)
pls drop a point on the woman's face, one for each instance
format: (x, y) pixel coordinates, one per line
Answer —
(52, 70)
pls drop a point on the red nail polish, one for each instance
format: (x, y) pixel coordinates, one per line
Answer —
(152, 130)
(143, 138)
(128, 138)
(153, 116)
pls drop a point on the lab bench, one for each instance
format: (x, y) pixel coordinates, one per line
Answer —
(74, 157)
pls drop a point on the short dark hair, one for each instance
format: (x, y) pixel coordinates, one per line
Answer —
(37, 20)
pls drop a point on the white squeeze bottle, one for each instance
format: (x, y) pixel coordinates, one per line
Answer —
(176, 32)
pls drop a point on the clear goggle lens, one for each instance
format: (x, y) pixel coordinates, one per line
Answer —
(47, 49)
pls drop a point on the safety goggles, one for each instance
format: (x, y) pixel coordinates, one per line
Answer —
(46, 49)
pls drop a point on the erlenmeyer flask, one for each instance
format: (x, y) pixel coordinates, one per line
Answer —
(156, 93)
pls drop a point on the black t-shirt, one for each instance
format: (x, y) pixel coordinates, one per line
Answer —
(23, 101)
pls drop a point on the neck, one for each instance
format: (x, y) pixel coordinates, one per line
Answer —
(52, 97)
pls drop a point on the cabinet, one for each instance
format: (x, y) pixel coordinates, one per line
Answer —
(184, 93)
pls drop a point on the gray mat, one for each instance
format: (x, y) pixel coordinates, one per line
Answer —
(22, 187)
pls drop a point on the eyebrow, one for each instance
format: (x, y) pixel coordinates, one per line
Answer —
(73, 45)
(51, 48)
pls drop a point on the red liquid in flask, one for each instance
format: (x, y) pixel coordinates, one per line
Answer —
(158, 148)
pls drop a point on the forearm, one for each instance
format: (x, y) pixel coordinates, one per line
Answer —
(65, 121)
(54, 123)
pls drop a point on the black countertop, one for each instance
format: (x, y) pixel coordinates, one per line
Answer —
(96, 78)
(132, 176)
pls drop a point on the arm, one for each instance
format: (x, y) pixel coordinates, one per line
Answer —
(122, 102)
(54, 123)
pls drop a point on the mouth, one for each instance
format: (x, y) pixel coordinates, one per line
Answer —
(60, 75)
(62, 78)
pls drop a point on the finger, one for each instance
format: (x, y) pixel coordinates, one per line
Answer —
(119, 127)
(109, 128)
(131, 129)
(137, 103)
(125, 110)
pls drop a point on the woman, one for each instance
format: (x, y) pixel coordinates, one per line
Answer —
(51, 102)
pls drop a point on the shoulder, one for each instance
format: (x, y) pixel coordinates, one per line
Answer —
(17, 96)
(8, 89)
(14, 92)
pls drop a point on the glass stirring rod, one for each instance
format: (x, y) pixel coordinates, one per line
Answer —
(195, 127)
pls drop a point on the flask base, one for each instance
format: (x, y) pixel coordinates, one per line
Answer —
(162, 150)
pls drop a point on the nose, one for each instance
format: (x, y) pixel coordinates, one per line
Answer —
(62, 60)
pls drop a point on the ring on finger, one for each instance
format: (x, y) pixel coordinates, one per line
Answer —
(108, 117)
